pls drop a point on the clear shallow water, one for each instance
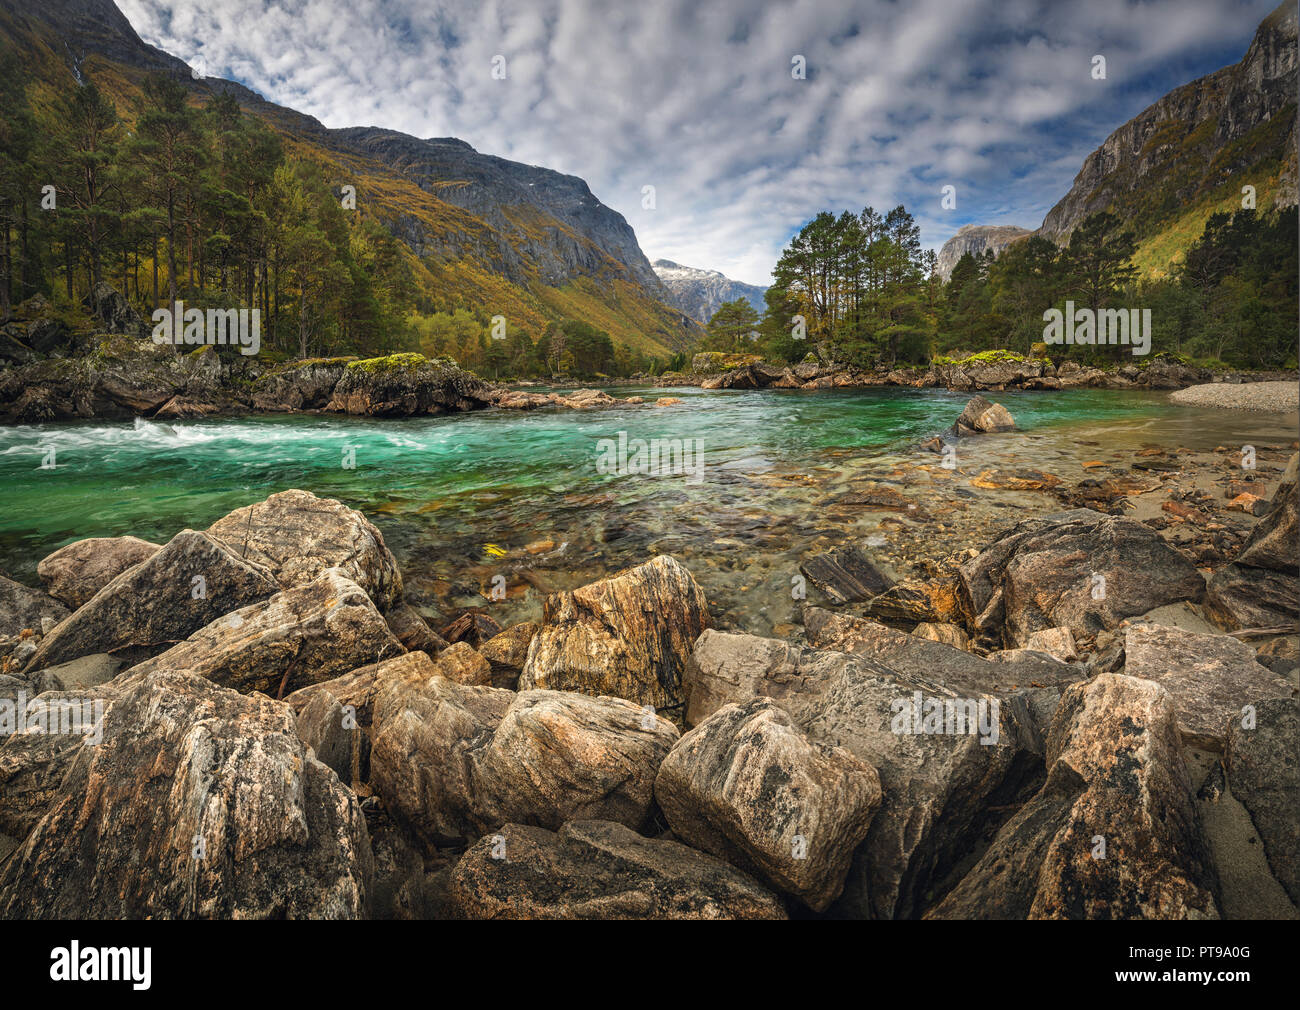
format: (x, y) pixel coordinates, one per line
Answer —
(441, 489)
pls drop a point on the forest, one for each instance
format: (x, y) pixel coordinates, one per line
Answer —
(859, 288)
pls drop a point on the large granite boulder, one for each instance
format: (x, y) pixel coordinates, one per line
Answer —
(76, 572)
(197, 803)
(1113, 833)
(981, 417)
(1081, 569)
(629, 635)
(455, 761)
(189, 583)
(595, 869)
(299, 385)
(296, 536)
(1211, 678)
(749, 786)
(313, 633)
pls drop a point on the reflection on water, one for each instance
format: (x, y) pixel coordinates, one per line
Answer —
(778, 468)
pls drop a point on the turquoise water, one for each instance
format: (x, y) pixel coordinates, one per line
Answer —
(444, 488)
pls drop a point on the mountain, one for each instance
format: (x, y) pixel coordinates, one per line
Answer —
(975, 239)
(699, 292)
(483, 232)
(1166, 170)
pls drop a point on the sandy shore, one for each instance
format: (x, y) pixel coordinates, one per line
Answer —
(1265, 396)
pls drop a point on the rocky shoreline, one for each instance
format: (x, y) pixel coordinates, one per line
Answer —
(52, 373)
(287, 736)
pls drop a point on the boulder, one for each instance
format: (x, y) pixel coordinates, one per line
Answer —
(297, 536)
(413, 631)
(1264, 774)
(748, 785)
(981, 417)
(461, 664)
(726, 668)
(229, 817)
(77, 674)
(454, 761)
(113, 311)
(507, 653)
(1081, 569)
(935, 601)
(313, 633)
(25, 609)
(845, 575)
(189, 583)
(1210, 677)
(1056, 642)
(402, 385)
(299, 385)
(336, 717)
(629, 635)
(1113, 833)
(910, 655)
(75, 573)
(593, 869)
(948, 634)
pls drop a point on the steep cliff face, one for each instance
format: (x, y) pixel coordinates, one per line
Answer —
(976, 239)
(1232, 128)
(700, 293)
(522, 241)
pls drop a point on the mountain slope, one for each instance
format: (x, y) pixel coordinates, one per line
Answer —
(976, 239)
(483, 232)
(699, 293)
(1166, 170)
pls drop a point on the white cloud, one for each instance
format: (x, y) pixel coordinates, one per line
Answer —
(991, 96)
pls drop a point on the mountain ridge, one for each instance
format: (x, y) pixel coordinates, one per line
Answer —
(700, 292)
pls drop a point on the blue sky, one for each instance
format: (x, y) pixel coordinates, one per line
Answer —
(697, 99)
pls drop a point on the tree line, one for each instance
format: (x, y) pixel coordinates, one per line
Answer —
(859, 289)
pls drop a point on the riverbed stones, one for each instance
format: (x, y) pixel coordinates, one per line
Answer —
(629, 635)
(184, 764)
(297, 536)
(592, 869)
(190, 582)
(25, 609)
(455, 761)
(845, 574)
(1210, 677)
(1080, 569)
(312, 633)
(748, 785)
(1263, 772)
(75, 573)
(413, 631)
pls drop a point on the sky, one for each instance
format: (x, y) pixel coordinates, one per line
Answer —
(700, 99)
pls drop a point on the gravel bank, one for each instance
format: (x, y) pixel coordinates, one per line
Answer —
(1266, 396)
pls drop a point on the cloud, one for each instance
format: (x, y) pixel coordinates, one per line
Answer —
(994, 97)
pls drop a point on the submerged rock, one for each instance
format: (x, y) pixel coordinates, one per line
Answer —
(198, 803)
(595, 869)
(981, 417)
(629, 635)
(845, 575)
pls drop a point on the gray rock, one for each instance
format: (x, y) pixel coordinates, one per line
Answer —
(1264, 774)
(189, 583)
(599, 870)
(1211, 677)
(747, 785)
(845, 575)
(88, 671)
(75, 573)
(23, 608)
